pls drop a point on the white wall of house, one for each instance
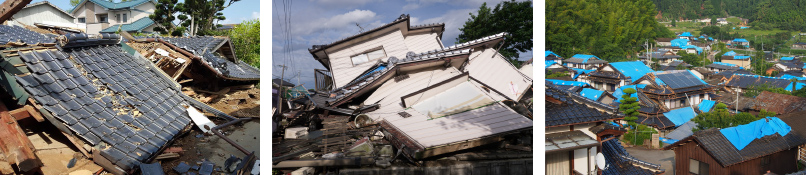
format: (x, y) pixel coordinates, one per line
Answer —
(41, 13)
(137, 14)
(342, 66)
(91, 11)
(424, 42)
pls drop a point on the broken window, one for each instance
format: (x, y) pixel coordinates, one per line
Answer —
(368, 56)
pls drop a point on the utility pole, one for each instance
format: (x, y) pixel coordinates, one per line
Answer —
(280, 100)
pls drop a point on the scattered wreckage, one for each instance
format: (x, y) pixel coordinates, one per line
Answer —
(394, 98)
(116, 106)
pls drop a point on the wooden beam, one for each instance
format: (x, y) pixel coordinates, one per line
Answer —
(16, 146)
(25, 112)
(180, 70)
(11, 7)
(78, 143)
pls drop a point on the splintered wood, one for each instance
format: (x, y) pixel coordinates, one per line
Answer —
(335, 134)
(14, 144)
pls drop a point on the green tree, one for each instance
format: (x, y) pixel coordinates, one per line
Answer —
(512, 17)
(246, 36)
(74, 3)
(203, 14)
(674, 23)
(655, 64)
(629, 106)
(713, 21)
(721, 118)
(166, 12)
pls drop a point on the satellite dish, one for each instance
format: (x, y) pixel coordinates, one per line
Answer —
(600, 161)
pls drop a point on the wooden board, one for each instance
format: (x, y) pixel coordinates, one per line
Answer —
(16, 146)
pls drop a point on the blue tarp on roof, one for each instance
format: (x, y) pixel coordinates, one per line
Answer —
(592, 94)
(680, 116)
(740, 136)
(725, 64)
(685, 34)
(740, 40)
(679, 42)
(743, 27)
(730, 53)
(703, 37)
(789, 77)
(633, 69)
(584, 57)
(568, 83)
(787, 58)
(710, 38)
(550, 62)
(692, 46)
(620, 91)
(797, 86)
(695, 76)
(741, 57)
(706, 105)
(580, 71)
(551, 53)
(668, 141)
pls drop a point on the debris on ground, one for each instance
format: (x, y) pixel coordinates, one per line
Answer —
(407, 110)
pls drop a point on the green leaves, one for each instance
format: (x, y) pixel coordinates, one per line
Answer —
(512, 17)
(611, 30)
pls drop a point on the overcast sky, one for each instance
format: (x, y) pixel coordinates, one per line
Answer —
(316, 22)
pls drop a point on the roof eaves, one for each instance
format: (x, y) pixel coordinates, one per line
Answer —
(48, 3)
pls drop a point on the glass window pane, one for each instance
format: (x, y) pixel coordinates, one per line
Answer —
(703, 168)
(358, 59)
(376, 54)
(693, 166)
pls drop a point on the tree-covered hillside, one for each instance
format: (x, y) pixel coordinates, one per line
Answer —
(608, 29)
(782, 14)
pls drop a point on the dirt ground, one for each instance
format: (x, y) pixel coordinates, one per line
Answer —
(198, 147)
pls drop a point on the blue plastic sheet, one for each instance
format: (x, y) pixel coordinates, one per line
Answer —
(741, 57)
(679, 42)
(592, 94)
(620, 91)
(787, 58)
(584, 57)
(725, 64)
(686, 34)
(550, 62)
(706, 105)
(796, 85)
(699, 50)
(568, 83)
(680, 116)
(789, 77)
(740, 40)
(580, 71)
(633, 69)
(740, 136)
(668, 141)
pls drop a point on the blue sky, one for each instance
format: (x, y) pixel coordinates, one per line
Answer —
(315, 22)
(237, 12)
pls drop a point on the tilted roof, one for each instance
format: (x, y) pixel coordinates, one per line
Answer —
(572, 108)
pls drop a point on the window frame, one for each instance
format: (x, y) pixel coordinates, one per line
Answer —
(702, 168)
(82, 20)
(103, 18)
(125, 18)
(365, 54)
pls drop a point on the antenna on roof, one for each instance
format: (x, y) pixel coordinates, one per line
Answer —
(359, 26)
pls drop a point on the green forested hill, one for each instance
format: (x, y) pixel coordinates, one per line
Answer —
(610, 29)
(766, 14)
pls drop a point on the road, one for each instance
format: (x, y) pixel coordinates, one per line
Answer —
(665, 158)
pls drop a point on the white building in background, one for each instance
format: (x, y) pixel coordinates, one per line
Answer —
(43, 12)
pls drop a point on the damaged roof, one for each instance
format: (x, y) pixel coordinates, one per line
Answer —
(569, 140)
(94, 90)
(205, 47)
(746, 81)
(18, 34)
(569, 108)
(779, 103)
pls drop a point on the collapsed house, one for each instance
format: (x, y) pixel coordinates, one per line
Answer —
(401, 79)
(116, 107)
(204, 56)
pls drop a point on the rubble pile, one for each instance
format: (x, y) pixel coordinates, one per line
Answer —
(395, 100)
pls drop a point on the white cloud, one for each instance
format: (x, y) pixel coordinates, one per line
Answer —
(411, 6)
(343, 3)
(453, 19)
(340, 22)
(255, 15)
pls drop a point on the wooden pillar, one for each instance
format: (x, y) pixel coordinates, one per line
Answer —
(16, 147)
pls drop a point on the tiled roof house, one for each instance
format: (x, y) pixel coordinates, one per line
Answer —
(100, 16)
